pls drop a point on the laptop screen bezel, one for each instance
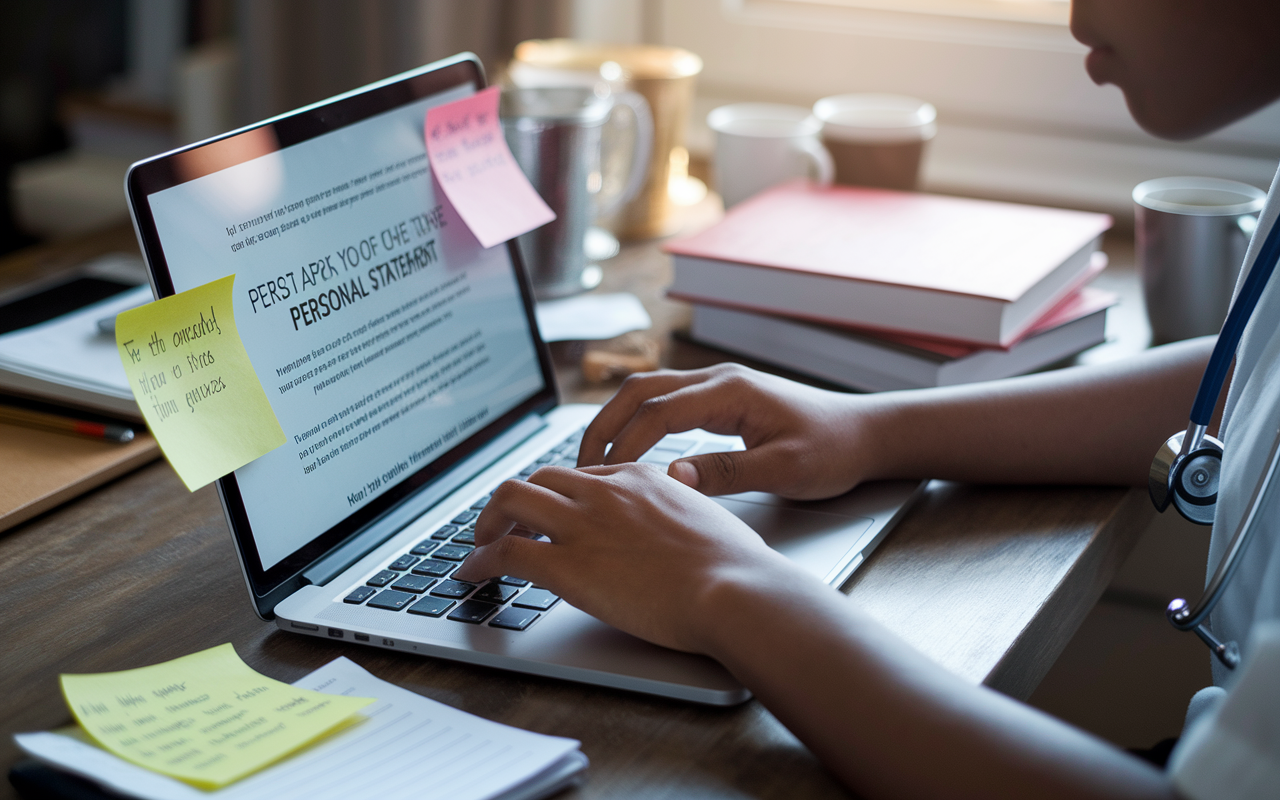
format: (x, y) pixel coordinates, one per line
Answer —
(269, 585)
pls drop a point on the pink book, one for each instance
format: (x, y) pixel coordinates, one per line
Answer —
(968, 271)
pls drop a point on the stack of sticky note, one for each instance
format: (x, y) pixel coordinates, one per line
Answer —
(207, 718)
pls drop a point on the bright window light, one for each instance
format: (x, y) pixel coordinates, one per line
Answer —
(1050, 12)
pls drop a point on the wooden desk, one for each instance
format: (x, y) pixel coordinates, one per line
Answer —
(990, 581)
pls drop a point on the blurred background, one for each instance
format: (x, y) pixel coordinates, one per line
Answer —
(88, 86)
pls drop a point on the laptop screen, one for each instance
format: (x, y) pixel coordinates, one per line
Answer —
(384, 335)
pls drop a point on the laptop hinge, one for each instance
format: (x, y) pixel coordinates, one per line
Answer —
(414, 506)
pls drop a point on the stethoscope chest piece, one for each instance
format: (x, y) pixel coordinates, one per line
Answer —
(1188, 467)
(1185, 472)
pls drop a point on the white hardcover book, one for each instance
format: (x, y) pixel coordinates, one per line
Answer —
(870, 363)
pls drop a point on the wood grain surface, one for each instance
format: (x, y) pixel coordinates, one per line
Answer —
(989, 581)
(40, 469)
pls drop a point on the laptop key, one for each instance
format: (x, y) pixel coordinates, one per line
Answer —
(464, 517)
(539, 599)
(481, 503)
(360, 595)
(431, 606)
(445, 532)
(515, 619)
(466, 537)
(473, 611)
(680, 446)
(414, 583)
(392, 600)
(451, 552)
(495, 593)
(454, 589)
(383, 578)
(433, 569)
(424, 548)
(403, 562)
(546, 458)
(510, 581)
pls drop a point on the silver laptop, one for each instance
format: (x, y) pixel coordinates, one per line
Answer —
(404, 364)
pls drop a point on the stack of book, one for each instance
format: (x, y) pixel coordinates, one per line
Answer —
(875, 290)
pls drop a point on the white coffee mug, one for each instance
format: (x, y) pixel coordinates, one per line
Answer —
(759, 145)
(876, 139)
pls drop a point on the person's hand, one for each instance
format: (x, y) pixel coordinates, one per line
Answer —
(802, 443)
(629, 546)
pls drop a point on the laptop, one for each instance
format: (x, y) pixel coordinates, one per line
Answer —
(404, 363)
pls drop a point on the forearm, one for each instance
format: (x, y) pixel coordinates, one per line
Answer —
(889, 722)
(1097, 425)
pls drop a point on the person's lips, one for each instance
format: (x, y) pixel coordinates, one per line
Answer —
(1100, 64)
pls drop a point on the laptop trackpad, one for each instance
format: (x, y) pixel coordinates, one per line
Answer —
(818, 541)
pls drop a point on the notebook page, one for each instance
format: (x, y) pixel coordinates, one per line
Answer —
(71, 350)
(409, 746)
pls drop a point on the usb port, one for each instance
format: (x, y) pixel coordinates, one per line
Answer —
(335, 633)
(362, 637)
(304, 627)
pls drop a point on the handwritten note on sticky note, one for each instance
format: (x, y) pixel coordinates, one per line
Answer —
(207, 718)
(194, 383)
(473, 165)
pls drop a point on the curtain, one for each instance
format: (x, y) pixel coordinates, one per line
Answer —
(294, 52)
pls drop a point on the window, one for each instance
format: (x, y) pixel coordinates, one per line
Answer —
(1050, 12)
(1018, 116)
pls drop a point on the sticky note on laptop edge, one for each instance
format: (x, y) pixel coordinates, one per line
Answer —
(206, 719)
(195, 384)
(473, 165)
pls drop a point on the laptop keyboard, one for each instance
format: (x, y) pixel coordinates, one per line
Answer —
(417, 582)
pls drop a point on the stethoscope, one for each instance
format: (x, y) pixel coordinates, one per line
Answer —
(1187, 467)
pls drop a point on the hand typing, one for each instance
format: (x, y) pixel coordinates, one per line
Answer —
(803, 443)
(629, 546)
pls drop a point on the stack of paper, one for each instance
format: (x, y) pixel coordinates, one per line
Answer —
(409, 746)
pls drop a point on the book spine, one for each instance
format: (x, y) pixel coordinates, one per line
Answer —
(808, 349)
(840, 301)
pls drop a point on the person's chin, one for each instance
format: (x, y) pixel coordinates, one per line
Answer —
(1169, 119)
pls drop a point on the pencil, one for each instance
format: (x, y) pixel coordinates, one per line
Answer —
(54, 422)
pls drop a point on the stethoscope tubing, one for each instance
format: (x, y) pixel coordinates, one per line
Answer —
(1215, 374)
(1189, 619)
(1179, 614)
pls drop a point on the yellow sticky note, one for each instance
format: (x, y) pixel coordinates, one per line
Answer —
(207, 718)
(194, 383)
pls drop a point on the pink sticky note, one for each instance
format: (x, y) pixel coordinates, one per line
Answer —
(475, 168)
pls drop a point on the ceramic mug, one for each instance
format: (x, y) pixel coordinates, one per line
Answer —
(759, 145)
(876, 139)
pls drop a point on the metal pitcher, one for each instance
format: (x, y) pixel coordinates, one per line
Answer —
(563, 138)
